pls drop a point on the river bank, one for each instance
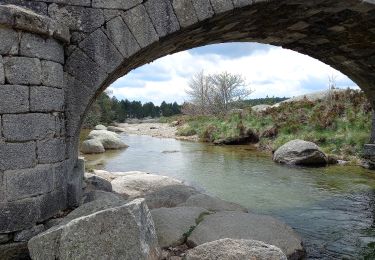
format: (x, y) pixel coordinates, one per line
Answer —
(339, 123)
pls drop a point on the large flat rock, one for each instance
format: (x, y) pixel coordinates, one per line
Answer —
(169, 196)
(172, 224)
(239, 225)
(212, 203)
(235, 249)
(137, 185)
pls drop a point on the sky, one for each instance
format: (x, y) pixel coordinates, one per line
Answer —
(268, 70)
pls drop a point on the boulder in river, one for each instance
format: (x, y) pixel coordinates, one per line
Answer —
(299, 152)
(100, 127)
(212, 203)
(235, 249)
(239, 225)
(109, 140)
(125, 232)
(173, 224)
(92, 146)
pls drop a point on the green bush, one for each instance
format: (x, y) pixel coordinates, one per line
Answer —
(186, 131)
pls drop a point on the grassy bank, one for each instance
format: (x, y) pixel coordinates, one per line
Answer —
(340, 124)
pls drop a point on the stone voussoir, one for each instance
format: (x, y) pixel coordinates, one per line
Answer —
(185, 12)
(140, 25)
(120, 35)
(115, 4)
(162, 16)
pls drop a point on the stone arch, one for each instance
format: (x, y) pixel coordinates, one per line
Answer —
(105, 39)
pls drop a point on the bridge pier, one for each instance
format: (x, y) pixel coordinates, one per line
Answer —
(369, 149)
(372, 139)
(34, 164)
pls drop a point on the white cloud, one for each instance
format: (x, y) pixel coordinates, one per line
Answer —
(275, 72)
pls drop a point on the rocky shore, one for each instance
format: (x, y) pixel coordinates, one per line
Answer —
(136, 215)
(155, 129)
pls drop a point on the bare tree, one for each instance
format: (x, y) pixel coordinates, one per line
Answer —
(229, 89)
(217, 93)
(199, 91)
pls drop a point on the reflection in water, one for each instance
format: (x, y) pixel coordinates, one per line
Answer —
(332, 208)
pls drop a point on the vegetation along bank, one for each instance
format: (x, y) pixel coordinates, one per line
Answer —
(339, 123)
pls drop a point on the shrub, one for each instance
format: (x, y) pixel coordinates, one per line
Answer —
(186, 131)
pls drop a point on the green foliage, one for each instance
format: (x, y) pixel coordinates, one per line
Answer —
(340, 125)
(106, 110)
(186, 131)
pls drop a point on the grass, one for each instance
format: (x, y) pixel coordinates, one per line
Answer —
(340, 125)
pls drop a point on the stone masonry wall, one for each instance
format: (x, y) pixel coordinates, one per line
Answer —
(33, 158)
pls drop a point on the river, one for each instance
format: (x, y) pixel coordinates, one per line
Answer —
(332, 208)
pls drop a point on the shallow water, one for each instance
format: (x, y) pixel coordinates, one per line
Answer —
(332, 208)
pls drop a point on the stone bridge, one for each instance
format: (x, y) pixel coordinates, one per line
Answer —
(57, 56)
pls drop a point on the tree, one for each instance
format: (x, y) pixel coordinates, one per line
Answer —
(216, 93)
(199, 92)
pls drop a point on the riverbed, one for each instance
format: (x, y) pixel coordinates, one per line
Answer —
(332, 208)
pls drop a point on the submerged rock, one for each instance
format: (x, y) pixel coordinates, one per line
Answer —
(239, 225)
(126, 232)
(299, 152)
(235, 249)
(92, 146)
(212, 203)
(173, 224)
